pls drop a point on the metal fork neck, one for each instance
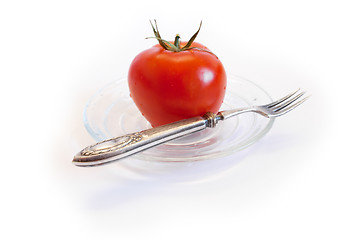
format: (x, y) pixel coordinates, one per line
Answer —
(211, 119)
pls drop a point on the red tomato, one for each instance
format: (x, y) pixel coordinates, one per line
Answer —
(169, 86)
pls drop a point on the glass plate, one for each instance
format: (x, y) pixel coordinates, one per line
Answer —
(111, 112)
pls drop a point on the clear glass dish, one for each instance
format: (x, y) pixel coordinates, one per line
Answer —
(111, 112)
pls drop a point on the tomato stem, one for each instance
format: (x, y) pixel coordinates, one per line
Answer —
(176, 46)
(177, 41)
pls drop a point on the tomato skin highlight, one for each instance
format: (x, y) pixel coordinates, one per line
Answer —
(170, 86)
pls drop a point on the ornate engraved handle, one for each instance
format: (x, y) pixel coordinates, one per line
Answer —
(120, 147)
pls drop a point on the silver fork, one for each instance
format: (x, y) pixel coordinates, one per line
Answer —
(120, 147)
(274, 109)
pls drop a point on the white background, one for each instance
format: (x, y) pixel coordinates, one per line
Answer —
(301, 181)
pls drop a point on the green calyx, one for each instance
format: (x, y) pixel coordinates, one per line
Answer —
(176, 46)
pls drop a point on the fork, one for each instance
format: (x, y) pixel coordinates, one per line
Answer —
(120, 147)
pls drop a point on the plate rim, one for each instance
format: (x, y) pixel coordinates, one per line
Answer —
(147, 158)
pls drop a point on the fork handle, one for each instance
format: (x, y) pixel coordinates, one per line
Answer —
(120, 147)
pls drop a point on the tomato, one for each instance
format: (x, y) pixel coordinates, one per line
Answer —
(169, 86)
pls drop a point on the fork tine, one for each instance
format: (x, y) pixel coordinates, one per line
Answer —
(290, 107)
(287, 102)
(273, 104)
